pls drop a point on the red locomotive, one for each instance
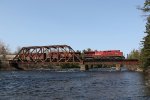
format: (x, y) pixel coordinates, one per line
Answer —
(109, 54)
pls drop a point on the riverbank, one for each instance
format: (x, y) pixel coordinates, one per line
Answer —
(4, 62)
(146, 73)
(4, 65)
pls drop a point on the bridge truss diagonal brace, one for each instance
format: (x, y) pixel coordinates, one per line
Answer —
(52, 53)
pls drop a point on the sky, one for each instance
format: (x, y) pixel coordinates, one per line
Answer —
(82, 24)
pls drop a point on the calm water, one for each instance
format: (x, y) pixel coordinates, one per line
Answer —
(47, 85)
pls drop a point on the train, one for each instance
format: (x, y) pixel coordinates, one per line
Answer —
(85, 56)
(107, 54)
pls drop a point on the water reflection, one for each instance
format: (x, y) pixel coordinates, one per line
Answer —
(92, 85)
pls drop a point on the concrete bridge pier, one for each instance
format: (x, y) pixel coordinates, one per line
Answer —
(118, 67)
(84, 67)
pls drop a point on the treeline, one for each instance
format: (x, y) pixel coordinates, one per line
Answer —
(134, 54)
(145, 51)
(144, 54)
(4, 50)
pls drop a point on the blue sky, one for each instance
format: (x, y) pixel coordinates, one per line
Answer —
(96, 24)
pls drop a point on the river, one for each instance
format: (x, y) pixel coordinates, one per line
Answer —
(90, 85)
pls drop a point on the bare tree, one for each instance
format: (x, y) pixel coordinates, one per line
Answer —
(4, 49)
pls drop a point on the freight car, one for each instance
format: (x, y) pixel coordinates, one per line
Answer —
(109, 54)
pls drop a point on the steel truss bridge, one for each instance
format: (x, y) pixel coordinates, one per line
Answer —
(59, 54)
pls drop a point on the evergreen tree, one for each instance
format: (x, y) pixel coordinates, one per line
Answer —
(134, 54)
(146, 40)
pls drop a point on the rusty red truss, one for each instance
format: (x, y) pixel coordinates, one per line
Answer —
(52, 53)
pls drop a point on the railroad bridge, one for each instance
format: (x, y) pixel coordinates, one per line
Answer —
(31, 57)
